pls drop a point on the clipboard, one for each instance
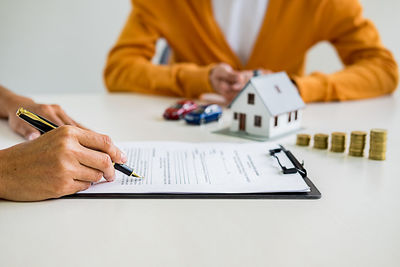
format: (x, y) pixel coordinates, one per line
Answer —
(314, 193)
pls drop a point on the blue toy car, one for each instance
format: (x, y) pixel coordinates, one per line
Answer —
(204, 114)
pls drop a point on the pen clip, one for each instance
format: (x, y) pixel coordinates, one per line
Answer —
(36, 121)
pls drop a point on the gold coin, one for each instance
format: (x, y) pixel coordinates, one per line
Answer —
(375, 153)
(378, 139)
(338, 150)
(302, 143)
(356, 149)
(320, 141)
(337, 134)
(360, 137)
(356, 154)
(322, 148)
(379, 131)
(357, 141)
(378, 135)
(303, 136)
(303, 139)
(338, 142)
(357, 146)
(378, 149)
(373, 157)
(358, 133)
(378, 143)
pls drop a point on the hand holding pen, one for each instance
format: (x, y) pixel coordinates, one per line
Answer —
(101, 141)
(61, 162)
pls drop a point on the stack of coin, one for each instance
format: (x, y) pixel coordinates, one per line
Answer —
(338, 142)
(321, 141)
(357, 143)
(303, 140)
(377, 145)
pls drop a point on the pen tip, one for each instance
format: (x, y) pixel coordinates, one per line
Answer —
(137, 176)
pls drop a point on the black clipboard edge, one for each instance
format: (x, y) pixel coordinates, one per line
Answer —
(313, 194)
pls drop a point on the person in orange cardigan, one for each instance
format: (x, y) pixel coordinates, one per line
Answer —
(216, 43)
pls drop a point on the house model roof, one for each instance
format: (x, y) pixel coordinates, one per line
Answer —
(277, 92)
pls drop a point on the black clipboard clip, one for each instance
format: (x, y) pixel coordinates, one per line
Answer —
(298, 167)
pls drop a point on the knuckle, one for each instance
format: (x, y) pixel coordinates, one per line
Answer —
(66, 131)
(106, 162)
(56, 107)
(65, 145)
(61, 167)
(106, 141)
(98, 176)
(45, 108)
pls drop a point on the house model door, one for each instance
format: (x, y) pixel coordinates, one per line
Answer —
(242, 122)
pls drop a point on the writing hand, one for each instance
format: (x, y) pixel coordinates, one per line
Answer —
(61, 162)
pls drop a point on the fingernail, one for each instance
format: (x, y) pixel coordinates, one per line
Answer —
(33, 136)
(124, 158)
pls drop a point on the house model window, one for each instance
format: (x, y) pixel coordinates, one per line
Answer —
(295, 115)
(289, 117)
(250, 99)
(276, 121)
(235, 116)
(257, 121)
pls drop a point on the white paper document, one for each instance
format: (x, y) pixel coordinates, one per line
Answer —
(175, 167)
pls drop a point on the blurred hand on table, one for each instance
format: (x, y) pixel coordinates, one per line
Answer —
(63, 161)
(53, 113)
(227, 83)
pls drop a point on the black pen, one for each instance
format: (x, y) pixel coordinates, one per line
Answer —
(43, 126)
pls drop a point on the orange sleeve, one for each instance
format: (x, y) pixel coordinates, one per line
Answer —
(129, 67)
(370, 69)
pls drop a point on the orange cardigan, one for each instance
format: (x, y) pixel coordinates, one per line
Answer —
(289, 30)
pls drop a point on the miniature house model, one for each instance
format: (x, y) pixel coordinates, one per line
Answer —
(268, 106)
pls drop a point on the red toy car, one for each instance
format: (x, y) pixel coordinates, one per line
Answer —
(179, 110)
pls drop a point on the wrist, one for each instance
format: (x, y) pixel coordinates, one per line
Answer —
(196, 80)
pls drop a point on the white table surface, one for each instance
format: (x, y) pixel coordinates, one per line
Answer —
(356, 223)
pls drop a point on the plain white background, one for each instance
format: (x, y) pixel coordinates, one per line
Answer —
(50, 46)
